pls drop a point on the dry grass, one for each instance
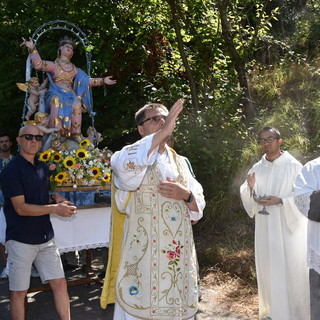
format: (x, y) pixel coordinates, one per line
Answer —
(231, 293)
(227, 268)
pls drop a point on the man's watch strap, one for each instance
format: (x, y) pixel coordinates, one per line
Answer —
(190, 198)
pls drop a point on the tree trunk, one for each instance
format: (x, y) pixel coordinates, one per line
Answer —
(177, 28)
(239, 63)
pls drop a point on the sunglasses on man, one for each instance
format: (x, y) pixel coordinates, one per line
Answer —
(29, 136)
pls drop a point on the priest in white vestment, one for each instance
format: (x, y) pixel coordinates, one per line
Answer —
(307, 198)
(280, 232)
(157, 276)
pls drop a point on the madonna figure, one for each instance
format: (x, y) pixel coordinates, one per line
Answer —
(68, 95)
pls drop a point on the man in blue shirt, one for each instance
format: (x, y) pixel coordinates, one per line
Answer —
(29, 233)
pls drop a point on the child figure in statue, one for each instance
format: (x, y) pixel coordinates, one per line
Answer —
(94, 136)
(36, 95)
(41, 121)
(68, 95)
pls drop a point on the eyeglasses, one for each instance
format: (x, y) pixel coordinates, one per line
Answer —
(154, 119)
(29, 136)
(269, 140)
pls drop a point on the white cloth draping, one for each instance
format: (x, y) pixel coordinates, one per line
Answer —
(120, 314)
(130, 167)
(87, 229)
(308, 181)
(280, 241)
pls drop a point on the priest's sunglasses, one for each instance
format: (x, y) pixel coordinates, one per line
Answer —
(155, 119)
(29, 136)
(269, 140)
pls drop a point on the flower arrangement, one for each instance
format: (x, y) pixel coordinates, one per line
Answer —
(85, 166)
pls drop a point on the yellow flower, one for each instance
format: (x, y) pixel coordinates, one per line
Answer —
(82, 154)
(85, 143)
(61, 176)
(95, 171)
(107, 177)
(45, 156)
(69, 162)
(56, 157)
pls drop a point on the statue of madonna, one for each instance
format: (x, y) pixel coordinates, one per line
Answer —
(68, 95)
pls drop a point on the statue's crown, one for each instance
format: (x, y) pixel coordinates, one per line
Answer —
(66, 40)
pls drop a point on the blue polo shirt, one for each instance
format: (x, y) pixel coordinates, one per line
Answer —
(21, 177)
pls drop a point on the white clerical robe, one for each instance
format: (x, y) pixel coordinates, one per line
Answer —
(280, 241)
(157, 277)
(308, 181)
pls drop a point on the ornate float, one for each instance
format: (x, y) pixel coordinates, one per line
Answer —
(78, 168)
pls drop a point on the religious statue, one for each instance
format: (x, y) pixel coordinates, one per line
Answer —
(94, 136)
(36, 95)
(42, 120)
(68, 95)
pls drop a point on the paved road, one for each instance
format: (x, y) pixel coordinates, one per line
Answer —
(85, 300)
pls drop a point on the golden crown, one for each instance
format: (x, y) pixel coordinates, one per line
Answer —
(66, 40)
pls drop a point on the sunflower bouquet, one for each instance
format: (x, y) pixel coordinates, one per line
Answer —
(86, 166)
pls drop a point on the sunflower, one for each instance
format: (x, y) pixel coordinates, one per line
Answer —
(95, 171)
(82, 154)
(69, 162)
(85, 143)
(61, 176)
(56, 157)
(45, 156)
(107, 177)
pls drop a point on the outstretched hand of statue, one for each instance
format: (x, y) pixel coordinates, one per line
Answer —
(109, 81)
(28, 43)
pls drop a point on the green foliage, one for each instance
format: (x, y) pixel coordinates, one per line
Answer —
(135, 41)
(288, 95)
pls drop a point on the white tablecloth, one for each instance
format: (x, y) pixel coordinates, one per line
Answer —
(87, 229)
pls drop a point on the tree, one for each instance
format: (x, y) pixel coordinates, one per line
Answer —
(193, 88)
(241, 38)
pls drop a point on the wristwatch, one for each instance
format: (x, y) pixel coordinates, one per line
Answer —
(190, 198)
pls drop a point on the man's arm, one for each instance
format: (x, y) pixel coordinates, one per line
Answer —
(22, 208)
(163, 134)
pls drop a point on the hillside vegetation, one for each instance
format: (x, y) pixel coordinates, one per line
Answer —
(240, 65)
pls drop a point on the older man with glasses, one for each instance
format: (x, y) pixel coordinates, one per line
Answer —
(280, 232)
(157, 276)
(29, 233)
